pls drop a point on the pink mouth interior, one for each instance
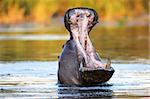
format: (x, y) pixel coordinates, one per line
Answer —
(85, 50)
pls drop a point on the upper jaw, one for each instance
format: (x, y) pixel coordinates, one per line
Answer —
(91, 14)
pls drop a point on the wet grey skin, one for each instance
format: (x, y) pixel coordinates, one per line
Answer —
(79, 63)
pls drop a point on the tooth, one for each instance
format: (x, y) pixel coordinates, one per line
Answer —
(96, 66)
(108, 65)
(81, 67)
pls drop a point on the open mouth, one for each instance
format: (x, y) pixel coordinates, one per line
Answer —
(81, 22)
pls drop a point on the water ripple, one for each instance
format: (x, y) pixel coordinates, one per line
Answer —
(49, 37)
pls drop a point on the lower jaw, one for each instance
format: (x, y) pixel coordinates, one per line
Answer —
(92, 63)
(104, 66)
(83, 69)
(87, 47)
(95, 76)
(91, 68)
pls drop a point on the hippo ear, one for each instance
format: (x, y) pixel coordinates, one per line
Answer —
(95, 21)
(96, 16)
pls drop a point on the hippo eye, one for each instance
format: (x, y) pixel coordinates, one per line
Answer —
(69, 21)
(88, 15)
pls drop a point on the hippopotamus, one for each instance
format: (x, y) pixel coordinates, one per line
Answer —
(79, 63)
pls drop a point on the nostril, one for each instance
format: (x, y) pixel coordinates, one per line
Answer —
(77, 15)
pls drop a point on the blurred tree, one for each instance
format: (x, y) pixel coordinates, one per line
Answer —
(44, 10)
(16, 11)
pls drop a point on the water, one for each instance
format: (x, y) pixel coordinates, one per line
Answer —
(34, 79)
(116, 43)
(28, 64)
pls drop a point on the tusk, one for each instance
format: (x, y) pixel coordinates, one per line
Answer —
(81, 67)
(108, 64)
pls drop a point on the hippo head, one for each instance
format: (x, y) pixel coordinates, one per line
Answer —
(75, 15)
(79, 22)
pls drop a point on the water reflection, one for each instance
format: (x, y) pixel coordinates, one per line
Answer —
(123, 43)
(97, 91)
(39, 37)
(30, 50)
(117, 43)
